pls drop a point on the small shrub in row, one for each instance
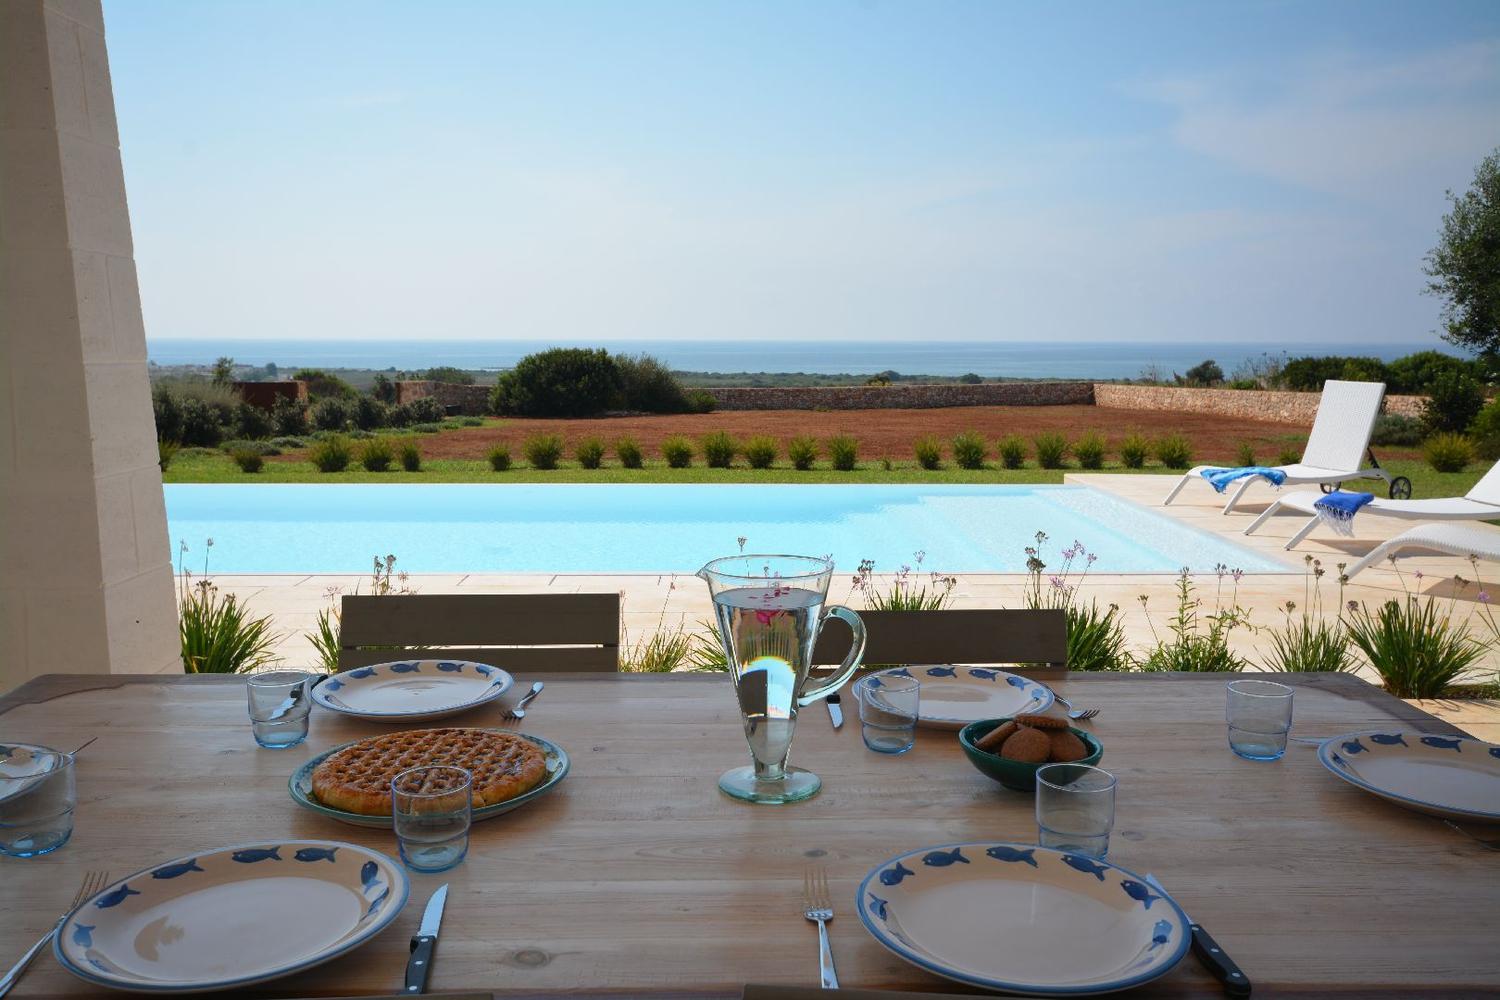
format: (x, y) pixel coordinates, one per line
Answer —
(589, 452)
(843, 452)
(411, 456)
(248, 459)
(803, 452)
(377, 454)
(499, 458)
(1448, 452)
(331, 454)
(760, 451)
(1089, 450)
(1012, 450)
(1134, 451)
(629, 453)
(929, 451)
(678, 451)
(718, 450)
(1051, 450)
(1174, 451)
(543, 450)
(969, 450)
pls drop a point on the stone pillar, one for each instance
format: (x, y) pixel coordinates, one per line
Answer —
(85, 573)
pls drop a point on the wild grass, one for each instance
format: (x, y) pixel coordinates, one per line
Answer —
(760, 451)
(629, 453)
(499, 458)
(1012, 451)
(843, 452)
(969, 450)
(929, 452)
(803, 452)
(589, 453)
(1089, 450)
(1051, 450)
(332, 454)
(543, 451)
(718, 450)
(376, 455)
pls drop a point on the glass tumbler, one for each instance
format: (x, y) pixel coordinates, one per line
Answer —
(432, 808)
(37, 798)
(279, 706)
(1259, 714)
(888, 709)
(1075, 808)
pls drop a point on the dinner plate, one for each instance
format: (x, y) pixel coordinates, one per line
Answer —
(300, 786)
(232, 916)
(953, 695)
(1022, 919)
(23, 765)
(1453, 776)
(412, 690)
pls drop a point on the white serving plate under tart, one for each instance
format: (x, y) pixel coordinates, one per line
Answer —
(232, 916)
(1017, 918)
(953, 695)
(1453, 776)
(412, 690)
(300, 787)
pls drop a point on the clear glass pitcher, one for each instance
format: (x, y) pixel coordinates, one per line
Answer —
(770, 610)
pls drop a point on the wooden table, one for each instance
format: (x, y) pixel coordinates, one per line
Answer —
(637, 876)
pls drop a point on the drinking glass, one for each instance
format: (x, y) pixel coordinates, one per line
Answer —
(770, 610)
(1075, 808)
(432, 808)
(1259, 714)
(37, 798)
(279, 705)
(888, 712)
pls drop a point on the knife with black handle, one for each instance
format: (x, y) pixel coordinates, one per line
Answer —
(1213, 958)
(424, 943)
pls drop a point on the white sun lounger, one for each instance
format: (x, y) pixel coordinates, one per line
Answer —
(1482, 503)
(1480, 540)
(1335, 449)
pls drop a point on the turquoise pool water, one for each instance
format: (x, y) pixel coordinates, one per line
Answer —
(541, 528)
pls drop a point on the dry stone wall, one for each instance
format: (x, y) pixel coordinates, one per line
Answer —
(903, 397)
(1247, 404)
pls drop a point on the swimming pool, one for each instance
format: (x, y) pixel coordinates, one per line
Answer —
(613, 528)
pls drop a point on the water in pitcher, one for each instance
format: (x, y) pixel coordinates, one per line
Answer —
(769, 635)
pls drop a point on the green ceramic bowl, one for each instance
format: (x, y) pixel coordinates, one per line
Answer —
(1014, 774)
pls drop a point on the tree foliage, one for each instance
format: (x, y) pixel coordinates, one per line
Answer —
(1465, 264)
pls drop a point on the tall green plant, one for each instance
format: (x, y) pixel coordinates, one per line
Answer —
(907, 592)
(1416, 646)
(1311, 642)
(1096, 637)
(217, 633)
(1195, 641)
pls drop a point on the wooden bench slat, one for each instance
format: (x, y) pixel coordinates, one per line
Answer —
(989, 635)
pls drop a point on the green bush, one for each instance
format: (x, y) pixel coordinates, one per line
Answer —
(499, 457)
(1289, 455)
(1244, 383)
(701, 401)
(332, 454)
(370, 413)
(1448, 452)
(218, 636)
(248, 459)
(649, 386)
(1415, 373)
(543, 450)
(1417, 649)
(589, 452)
(1454, 399)
(843, 452)
(203, 425)
(929, 451)
(193, 412)
(1307, 374)
(803, 452)
(165, 452)
(629, 453)
(1012, 451)
(285, 443)
(1089, 450)
(472, 421)
(449, 374)
(411, 456)
(678, 451)
(426, 410)
(1133, 451)
(1485, 430)
(562, 382)
(331, 414)
(718, 450)
(290, 417)
(323, 385)
(1174, 451)
(252, 422)
(760, 451)
(1244, 455)
(969, 450)
(264, 449)
(1051, 450)
(1396, 429)
(425, 428)
(377, 454)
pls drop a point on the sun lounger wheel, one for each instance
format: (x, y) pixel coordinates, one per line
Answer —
(1330, 487)
(1400, 488)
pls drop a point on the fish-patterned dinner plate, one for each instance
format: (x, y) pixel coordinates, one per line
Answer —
(232, 916)
(1453, 776)
(953, 695)
(300, 786)
(1018, 918)
(412, 690)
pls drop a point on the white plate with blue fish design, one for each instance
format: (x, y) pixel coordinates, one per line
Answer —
(953, 695)
(554, 758)
(232, 916)
(1453, 776)
(1018, 918)
(412, 690)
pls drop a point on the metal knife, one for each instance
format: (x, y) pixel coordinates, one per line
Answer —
(835, 711)
(1219, 965)
(419, 966)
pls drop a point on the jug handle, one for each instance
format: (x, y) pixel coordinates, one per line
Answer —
(851, 662)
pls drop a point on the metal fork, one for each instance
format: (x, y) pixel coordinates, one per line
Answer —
(1493, 845)
(92, 883)
(1079, 714)
(820, 911)
(519, 711)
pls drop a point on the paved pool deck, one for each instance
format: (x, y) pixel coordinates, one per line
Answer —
(653, 601)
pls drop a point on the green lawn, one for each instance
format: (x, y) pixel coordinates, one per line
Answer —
(201, 466)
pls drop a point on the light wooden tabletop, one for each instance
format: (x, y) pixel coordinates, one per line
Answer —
(637, 876)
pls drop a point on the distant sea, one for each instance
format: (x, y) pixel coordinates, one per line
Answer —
(1002, 359)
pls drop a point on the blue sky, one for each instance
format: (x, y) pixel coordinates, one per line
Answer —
(818, 169)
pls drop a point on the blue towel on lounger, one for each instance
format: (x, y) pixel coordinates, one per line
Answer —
(1337, 509)
(1221, 478)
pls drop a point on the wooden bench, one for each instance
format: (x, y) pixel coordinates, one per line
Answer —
(1034, 643)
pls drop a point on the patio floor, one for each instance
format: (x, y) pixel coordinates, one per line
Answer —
(653, 601)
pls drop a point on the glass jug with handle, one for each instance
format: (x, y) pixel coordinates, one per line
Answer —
(770, 609)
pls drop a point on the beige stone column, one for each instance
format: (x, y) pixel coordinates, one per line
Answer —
(85, 572)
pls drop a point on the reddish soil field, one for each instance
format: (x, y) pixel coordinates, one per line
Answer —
(886, 433)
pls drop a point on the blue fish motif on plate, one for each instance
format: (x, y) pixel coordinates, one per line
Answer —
(1389, 739)
(1352, 747)
(1016, 682)
(315, 854)
(1138, 892)
(251, 855)
(332, 684)
(375, 903)
(893, 876)
(83, 935)
(115, 898)
(1085, 865)
(181, 868)
(451, 668)
(1027, 856)
(941, 672)
(362, 673)
(1443, 743)
(942, 859)
(900, 672)
(877, 906)
(1161, 934)
(874, 682)
(482, 670)
(983, 674)
(367, 873)
(406, 668)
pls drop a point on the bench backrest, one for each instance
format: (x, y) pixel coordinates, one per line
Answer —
(1032, 642)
